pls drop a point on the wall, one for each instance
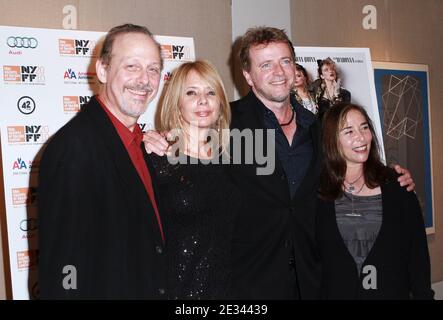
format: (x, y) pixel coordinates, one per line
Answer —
(251, 13)
(208, 21)
(408, 31)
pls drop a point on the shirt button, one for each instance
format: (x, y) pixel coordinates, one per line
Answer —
(292, 262)
(159, 249)
(161, 291)
(292, 182)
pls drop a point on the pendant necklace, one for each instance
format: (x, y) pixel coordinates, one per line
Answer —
(351, 190)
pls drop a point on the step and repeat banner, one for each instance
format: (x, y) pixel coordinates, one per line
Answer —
(47, 76)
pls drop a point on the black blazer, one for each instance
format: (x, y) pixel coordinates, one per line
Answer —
(274, 243)
(400, 253)
(95, 215)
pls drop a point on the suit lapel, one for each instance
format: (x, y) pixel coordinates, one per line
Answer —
(122, 162)
(252, 118)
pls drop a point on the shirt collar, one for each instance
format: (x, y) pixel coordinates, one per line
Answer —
(127, 136)
(304, 118)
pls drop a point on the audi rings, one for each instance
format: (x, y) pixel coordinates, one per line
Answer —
(22, 42)
(30, 224)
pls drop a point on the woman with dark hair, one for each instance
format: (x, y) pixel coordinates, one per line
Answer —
(370, 231)
(300, 90)
(327, 88)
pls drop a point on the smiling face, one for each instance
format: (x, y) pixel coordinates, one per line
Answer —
(132, 77)
(355, 139)
(199, 104)
(271, 75)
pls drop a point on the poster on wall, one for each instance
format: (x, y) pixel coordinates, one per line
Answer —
(404, 103)
(46, 77)
(354, 69)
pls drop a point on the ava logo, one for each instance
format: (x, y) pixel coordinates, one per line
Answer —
(24, 196)
(22, 42)
(143, 126)
(76, 47)
(27, 259)
(27, 134)
(26, 105)
(175, 52)
(72, 104)
(24, 74)
(70, 74)
(20, 164)
(79, 77)
(167, 76)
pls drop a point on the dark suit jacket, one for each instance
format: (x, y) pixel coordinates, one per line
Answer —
(274, 243)
(95, 215)
(400, 253)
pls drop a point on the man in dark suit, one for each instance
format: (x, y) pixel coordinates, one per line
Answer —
(273, 248)
(101, 234)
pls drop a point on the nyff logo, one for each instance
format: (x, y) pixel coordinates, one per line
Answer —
(35, 134)
(24, 74)
(24, 196)
(76, 47)
(176, 52)
(27, 259)
(72, 104)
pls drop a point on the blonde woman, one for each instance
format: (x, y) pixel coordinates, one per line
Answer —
(198, 201)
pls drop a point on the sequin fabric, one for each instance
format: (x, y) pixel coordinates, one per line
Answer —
(199, 205)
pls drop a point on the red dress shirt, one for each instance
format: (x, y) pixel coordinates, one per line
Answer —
(132, 141)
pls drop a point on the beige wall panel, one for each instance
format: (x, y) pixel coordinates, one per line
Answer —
(408, 31)
(208, 21)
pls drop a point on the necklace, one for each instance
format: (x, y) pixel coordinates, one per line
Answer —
(351, 192)
(351, 187)
(290, 120)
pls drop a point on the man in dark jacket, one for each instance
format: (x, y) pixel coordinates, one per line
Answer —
(101, 235)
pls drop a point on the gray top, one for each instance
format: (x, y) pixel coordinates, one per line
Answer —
(359, 220)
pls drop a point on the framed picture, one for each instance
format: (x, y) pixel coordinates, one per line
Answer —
(404, 106)
(354, 69)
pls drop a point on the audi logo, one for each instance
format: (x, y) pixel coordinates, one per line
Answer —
(29, 224)
(22, 42)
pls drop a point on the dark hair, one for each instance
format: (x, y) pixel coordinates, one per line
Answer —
(261, 35)
(106, 51)
(302, 69)
(327, 61)
(334, 165)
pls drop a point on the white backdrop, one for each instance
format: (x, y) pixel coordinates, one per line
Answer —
(46, 76)
(354, 67)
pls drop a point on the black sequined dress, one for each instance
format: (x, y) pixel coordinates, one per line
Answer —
(199, 205)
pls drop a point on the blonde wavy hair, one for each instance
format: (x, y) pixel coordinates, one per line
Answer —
(169, 105)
